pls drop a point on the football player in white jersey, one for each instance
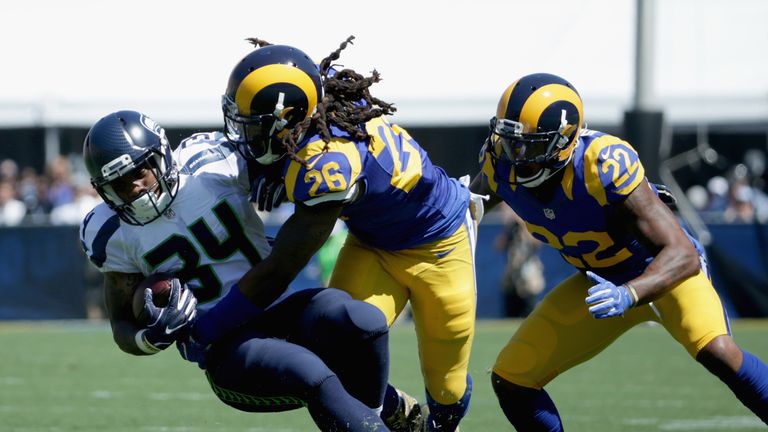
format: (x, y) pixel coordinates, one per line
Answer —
(188, 213)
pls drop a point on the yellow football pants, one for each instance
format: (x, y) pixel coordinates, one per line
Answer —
(439, 280)
(560, 333)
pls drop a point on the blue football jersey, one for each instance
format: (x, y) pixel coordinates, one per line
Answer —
(579, 219)
(395, 198)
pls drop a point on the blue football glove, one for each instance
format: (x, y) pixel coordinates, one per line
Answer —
(606, 299)
(192, 350)
(268, 188)
(167, 323)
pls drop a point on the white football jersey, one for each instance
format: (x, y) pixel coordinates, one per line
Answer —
(209, 236)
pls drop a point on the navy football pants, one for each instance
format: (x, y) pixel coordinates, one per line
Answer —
(301, 352)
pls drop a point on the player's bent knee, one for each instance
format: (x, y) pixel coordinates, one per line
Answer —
(353, 318)
(506, 390)
(367, 318)
(721, 354)
(445, 387)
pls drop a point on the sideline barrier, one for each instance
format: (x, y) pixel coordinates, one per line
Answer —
(45, 275)
(42, 273)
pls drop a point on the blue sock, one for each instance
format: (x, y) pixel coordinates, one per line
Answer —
(750, 385)
(528, 409)
(447, 417)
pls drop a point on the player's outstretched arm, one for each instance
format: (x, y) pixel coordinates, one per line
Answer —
(657, 228)
(298, 239)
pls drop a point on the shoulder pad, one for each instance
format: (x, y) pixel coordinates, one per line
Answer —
(612, 169)
(328, 170)
(96, 230)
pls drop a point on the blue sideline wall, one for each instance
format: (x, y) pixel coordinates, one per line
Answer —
(43, 272)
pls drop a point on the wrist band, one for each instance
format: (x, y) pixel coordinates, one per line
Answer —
(143, 343)
(631, 289)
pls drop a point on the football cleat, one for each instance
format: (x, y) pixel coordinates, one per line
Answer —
(408, 416)
(425, 427)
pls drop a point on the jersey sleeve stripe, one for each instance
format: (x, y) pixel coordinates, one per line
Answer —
(591, 169)
(568, 181)
(488, 172)
(87, 219)
(99, 251)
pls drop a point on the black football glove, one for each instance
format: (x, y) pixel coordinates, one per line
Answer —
(167, 323)
(268, 188)
(666, 196)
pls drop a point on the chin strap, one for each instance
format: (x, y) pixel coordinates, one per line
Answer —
(268, 157)
(280, 122)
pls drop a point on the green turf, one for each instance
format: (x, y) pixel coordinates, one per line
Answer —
(71, 377)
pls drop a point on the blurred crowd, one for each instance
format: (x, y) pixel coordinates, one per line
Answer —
(523, 279)
(739, 196)
(60, 195)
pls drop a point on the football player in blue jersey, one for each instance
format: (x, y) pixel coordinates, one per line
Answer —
(584, 193)
(411, 230)
(188, 213)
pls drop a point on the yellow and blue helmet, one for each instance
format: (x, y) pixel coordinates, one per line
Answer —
(269, 91)
(536, 127)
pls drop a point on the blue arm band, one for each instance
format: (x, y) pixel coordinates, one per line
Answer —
(232, 311)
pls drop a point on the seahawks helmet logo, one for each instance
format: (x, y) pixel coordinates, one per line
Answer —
(152, 126)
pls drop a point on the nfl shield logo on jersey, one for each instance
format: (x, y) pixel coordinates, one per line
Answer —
(549, 213)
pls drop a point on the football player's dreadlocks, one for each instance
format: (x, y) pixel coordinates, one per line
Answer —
(347, 103)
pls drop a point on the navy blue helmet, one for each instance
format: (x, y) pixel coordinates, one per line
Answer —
(118, 145)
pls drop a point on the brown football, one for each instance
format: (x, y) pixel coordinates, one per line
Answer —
(160, 284)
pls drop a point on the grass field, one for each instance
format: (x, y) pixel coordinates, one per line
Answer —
(69, 376)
